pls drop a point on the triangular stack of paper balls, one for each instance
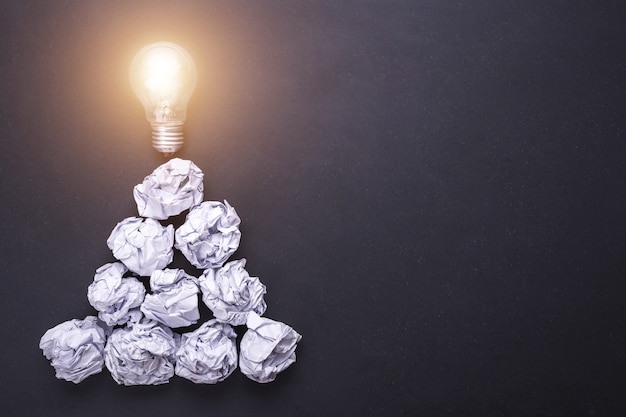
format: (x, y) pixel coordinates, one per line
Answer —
(132, 335)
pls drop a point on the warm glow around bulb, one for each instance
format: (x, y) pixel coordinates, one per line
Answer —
(163, 76)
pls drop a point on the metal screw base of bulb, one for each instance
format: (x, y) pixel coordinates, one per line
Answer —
(167, 137)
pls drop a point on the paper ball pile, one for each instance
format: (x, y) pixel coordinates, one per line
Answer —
(132, 335)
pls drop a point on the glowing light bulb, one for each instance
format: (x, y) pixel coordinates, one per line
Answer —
(163, 76)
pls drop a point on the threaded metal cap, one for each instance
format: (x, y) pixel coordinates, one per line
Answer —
(167, 137)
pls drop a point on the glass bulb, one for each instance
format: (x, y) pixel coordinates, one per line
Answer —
(163, 76)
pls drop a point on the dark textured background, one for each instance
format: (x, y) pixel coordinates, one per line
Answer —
(432, 191)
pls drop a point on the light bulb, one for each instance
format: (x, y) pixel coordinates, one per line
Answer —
(163, 76)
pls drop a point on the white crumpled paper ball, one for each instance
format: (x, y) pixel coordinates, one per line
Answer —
(142, 354)
(171, 189)
(209, 235)
(75, 348)
(267, 348)
(231, 293)
(174, 301)
(143, 245)
(207, 355)
(117, 299)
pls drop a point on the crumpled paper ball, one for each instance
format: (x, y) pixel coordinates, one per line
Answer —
(116, 298)
(75, 348)
(209, 235)
(267, 348)
(207, 355)
(142, 354)
(174, 301)
(171, 189)
(143, 245)
(231, 293)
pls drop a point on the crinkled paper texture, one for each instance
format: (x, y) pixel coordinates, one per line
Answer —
(207, 355)
(209, 235)
(75, 348)
(143, 245)
(171, 189)
(116, 298)
(267, 348)
(231, 293)
(142, 354)
(174, 301)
